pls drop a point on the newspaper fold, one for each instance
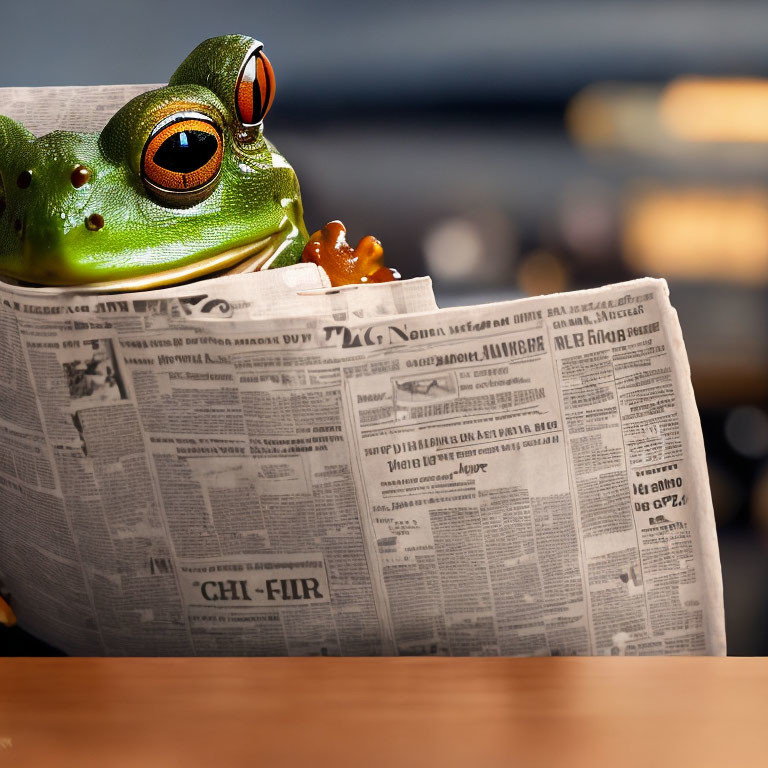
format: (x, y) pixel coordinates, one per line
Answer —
(260, 464)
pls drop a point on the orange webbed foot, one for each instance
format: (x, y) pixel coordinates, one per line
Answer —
(344, 265)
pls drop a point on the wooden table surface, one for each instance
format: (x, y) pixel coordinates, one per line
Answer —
(649, 712)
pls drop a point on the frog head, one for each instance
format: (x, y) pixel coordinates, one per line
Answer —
(180, 184)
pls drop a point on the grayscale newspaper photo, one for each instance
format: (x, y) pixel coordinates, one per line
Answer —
(264, 465)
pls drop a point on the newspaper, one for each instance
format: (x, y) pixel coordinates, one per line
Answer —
(263, 465)
(80, 108)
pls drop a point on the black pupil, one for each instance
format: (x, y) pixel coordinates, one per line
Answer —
(186, 151)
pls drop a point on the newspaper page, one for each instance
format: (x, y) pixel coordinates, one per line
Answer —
(302, 470)
(79, 108)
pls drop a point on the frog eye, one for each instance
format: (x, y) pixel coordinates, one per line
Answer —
(182, 158)
(255, 89)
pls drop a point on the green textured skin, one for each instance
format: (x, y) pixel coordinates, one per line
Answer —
(255, 194)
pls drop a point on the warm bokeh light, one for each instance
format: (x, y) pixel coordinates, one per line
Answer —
(716, 109)
(454, 249)
(542, 272)
(699, 234)
(688, 110)
(619, 115)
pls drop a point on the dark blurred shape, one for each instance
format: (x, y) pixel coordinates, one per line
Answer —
(759, 502)
(727, 493)
(16, 642)
(746, 430)
(589, 222)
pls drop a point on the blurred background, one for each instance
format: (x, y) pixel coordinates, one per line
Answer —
(511, 149)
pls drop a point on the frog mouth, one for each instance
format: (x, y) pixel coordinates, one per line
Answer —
(249, 257)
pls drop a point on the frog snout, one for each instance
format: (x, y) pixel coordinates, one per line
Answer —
(58, 204)
(51, 214)
(44, 209)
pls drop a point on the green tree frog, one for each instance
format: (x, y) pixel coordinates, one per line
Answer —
(180, 184)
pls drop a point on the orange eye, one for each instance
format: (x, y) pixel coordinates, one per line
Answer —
(255, 89)
(182, 157)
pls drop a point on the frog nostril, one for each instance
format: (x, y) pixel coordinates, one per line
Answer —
(24, 180)
(17, 226)
(94, 222)
(80, 176)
